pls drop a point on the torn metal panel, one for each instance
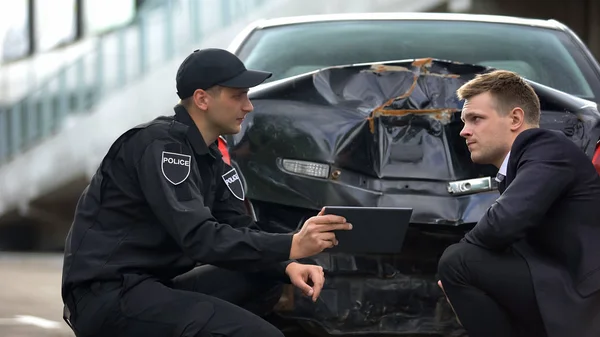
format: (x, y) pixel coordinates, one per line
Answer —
(398, 106)
(378, 294)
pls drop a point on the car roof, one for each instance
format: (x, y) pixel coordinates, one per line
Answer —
(281, 21)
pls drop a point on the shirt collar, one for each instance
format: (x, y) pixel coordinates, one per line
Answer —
(194, 135)
(502, 170)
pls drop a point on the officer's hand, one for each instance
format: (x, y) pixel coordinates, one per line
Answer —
(316, 235)
(302, 275)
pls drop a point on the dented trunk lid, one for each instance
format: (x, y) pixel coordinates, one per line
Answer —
(410, 120)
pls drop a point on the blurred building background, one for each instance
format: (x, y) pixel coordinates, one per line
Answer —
(74, 74)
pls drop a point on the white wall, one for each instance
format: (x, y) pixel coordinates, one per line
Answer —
(80, 146)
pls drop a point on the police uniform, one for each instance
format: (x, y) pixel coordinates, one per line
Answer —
(160, 203)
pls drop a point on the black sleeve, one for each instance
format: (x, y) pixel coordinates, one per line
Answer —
(229, 207)
(191, 223)
(543, 174)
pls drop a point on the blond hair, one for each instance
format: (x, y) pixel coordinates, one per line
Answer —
(508, 89)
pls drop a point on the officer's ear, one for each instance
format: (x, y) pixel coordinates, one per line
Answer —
(201, 99)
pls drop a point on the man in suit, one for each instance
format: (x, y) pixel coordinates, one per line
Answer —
(531, 265)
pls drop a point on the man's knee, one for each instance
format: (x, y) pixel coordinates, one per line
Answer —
(453, 260)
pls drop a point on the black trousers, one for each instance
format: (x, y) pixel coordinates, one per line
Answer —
(491, 292)
(206, 301)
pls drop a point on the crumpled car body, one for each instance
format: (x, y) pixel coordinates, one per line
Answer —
(378, 134)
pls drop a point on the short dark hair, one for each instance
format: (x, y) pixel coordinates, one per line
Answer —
(508, 89)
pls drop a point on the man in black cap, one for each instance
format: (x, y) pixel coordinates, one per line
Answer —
(164, 201)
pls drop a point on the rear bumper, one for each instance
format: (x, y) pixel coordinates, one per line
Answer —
(430, 200)
(371, 296)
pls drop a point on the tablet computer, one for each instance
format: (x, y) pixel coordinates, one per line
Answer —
(375, 230)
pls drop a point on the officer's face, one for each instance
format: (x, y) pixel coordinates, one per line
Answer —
(487, 133)
(228, 108)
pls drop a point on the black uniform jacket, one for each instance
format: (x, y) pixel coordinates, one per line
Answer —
(549, 212)
(161, 202)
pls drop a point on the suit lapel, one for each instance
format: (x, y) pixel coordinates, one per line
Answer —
(511, 171)
(517, 148)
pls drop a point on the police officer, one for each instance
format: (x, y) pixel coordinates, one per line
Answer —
(163, 202)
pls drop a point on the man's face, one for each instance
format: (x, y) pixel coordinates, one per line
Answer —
(488, 135)
(228, 108)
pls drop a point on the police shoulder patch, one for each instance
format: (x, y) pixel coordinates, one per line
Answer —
(175, 166)
(234, 183)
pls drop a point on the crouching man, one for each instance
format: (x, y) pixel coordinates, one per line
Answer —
(531, 265)
(162, 202)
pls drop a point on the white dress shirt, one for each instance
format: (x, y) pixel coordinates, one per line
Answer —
(502, 171)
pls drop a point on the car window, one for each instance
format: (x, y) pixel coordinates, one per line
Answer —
(542, 55)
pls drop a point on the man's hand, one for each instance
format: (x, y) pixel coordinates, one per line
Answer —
(316, 235)
(300, 276)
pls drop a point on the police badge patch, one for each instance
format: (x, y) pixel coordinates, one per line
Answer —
(234, 183)
(175, 167)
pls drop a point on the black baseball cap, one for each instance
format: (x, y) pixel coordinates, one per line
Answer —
(205, 68)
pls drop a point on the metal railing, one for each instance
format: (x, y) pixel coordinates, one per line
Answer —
(119, 58)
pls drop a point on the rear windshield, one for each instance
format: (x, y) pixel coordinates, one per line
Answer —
(542, 55)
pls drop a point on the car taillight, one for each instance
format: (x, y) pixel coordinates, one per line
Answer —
(596, 158)
(224, 150)
(305, 168)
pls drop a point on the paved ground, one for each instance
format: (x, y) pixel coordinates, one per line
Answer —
(30, 303)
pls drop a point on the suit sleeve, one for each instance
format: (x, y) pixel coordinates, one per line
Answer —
(181, 210)
(230, 209)
(543, 174)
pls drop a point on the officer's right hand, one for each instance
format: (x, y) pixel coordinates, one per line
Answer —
(316, 235)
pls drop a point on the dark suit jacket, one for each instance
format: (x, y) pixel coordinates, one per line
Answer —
(549, 212)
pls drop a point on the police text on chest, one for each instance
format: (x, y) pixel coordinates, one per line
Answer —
(181, 162)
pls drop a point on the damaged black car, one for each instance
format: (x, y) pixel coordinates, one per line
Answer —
(367, 115)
